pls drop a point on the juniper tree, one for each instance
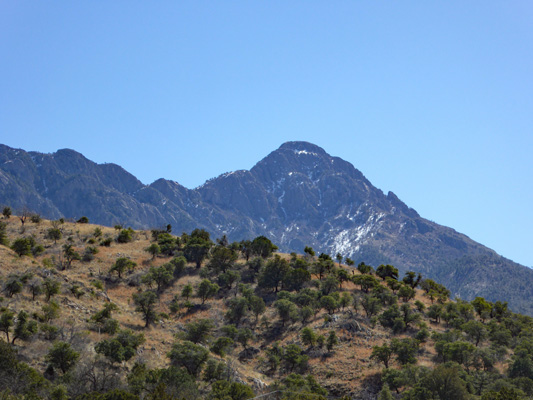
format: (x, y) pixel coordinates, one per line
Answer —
(122, 265)
(145, 303)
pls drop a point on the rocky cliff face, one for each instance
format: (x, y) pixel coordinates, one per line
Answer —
(298, 196)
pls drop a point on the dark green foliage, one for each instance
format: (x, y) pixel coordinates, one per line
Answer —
(393, 284)
(145, 302)
(500, 335)
(382, 354)
(385, 295)
(215, 371)
(188, 289)
(23, 246)
(160, 276)
(482, 307)
(125, 235)
(504, 393)
(405, 350)
(412, 279)
(522, 365)
(224, 390)
(206, 289)
(365, 269)
(168, 244)
(263, 247)
(222, 345)
(272, 273)
(345, 300)
(199, 331)
(62, 356)
(237, 309)
(299, 388)
(70, 255)
(179, 264)
(435, 312)
(161, 384)
(105, 313)
(309, 251)
(227, 279)
(244, 335)
(35, 287)
(384, 271)
(106, 242)
(308, 337)
(475, 331)
(103, 322)
(459, 352)
(287, 311)
(406, 293)
(121, 347)
(305, 314)
(408, 315)
(76, 291)
(371, 305)
(329, 285)
(294, 358)
(366, 282)
(342, 276)
(115, 394)
(3, 234)
(323, 265)
(295, 278)
(50, 311)
(122, 265)
(51, 288)
(256, 264)
(188, 355)
(17, 378)
(88, 254)
(329, 303)
(429, 285)
(385, 393)
(6, 322)
(230, 331)
(197, 247)
(12, 286)
(24, 327)
(222, 259)
(257, 306)
(389, 316)
(6, 212)
(153, 250)
(331, 340)
(442, 383)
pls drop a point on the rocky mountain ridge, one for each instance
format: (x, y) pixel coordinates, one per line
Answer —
(297, 196)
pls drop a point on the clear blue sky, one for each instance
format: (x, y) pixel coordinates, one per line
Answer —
(430, 99)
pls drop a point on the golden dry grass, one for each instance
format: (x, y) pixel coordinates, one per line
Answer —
(346, 369)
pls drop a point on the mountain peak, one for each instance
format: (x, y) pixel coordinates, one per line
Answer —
(300, 147)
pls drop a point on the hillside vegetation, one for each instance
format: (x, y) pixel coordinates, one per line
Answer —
(91, 312)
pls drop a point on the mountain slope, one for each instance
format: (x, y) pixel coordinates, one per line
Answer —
(298, 196)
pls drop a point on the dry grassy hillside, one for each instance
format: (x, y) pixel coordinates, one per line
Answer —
(345, 369)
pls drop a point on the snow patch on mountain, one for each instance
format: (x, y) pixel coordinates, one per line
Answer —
(348, 241)
(300, 152)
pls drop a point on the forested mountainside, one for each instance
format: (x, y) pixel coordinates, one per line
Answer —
(97, 313)
(296, 196)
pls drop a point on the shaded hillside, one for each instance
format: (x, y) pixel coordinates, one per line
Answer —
(297, 196)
